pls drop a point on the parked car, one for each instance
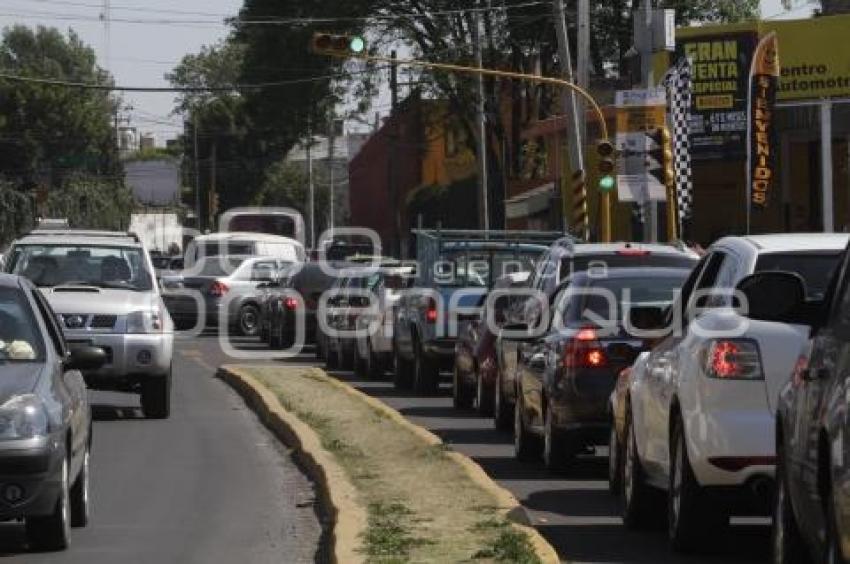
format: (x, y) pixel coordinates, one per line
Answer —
(700, 417)
(228, 289)
(374, 327)
(565, 376)
(474, 374)
(451, 262)
(812, 503)
(244, 244)
(309, 281)
(345, 306)
(561, 260)
(45, 446)
(101, 285)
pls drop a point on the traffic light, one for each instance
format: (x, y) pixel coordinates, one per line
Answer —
(337, 45)
(605, 150)
(661, 156)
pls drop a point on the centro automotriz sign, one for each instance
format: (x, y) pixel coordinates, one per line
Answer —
(761, 158)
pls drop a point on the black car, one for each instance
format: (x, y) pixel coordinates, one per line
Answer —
(45, 419)
(566, 375)
(812, 502)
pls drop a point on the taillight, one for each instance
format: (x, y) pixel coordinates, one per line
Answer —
(431, 312)
(290, 303)
(628, 252)
(585, 351)
(733, 359)
(218, 289)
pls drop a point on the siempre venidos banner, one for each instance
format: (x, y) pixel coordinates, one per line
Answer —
(761, 154)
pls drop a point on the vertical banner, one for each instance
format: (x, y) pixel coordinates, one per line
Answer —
(761, 153)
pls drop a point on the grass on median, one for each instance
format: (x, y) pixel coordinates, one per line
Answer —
(422, 506)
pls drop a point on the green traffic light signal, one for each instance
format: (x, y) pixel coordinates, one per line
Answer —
(357, 45)
(606, 183)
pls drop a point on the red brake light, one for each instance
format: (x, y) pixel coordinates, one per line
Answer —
(585, 351)
(218, 289)
(628, 252)
(431, 313)
(290, 303)
(738, 359)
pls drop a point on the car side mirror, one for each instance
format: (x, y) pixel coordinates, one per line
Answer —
(85, 358)
(772, 296)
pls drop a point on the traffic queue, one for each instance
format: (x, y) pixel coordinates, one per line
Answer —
(715, 378)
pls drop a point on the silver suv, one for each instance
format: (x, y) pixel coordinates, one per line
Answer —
(102, 288)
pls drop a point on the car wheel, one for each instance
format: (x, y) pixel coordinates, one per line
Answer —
(786, 540)
(249, 320)
(425, 373)
(483, 396)
(526, 447)
(156, 397)
(275, 337)
(80, 494)
(53, 532)
(690, 517)
(557, 451)
(321, 346)
(461, 398)
(401, 371)
(615, 462)
(638, 503)
(503, 417)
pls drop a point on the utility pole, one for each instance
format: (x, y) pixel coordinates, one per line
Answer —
(310, 184)
(583, 66)
(392, 132)
(481, 137)
(394, 81)
(212, 195)
(198, 220)
(331, 140)
(574, 142)
(645, 48)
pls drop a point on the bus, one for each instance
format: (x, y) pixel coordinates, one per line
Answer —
(283, 222)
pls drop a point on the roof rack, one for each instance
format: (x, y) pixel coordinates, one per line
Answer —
(84, 233)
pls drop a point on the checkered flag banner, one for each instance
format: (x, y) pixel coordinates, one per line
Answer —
(679, 84)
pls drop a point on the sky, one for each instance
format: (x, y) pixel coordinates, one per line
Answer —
(139, 54)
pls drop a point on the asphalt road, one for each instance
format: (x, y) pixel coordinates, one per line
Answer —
(574, 510)
(208, 485)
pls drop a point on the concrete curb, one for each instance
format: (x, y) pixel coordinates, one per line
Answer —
(337, 494)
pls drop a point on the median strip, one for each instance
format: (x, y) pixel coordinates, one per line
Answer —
(395, 491)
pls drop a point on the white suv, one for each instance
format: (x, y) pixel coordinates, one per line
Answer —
(700, 410)
(103, 290)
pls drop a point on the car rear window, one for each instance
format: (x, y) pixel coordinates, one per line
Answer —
(601, 262)
(219, 266)
(815, 268)
(625, 292)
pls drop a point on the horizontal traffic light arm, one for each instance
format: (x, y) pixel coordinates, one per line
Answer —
(488, 72)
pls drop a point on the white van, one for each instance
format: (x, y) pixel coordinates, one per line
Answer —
(283, 222)
(245, 244)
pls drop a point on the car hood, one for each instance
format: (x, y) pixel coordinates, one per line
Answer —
(99, 301)
(18, 378)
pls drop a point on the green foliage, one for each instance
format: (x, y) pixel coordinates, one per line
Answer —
(287, 184)
(49, 132)
(16, 214)
(92, 203)
(152, 154)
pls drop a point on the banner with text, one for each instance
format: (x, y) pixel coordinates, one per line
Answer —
(761, 156)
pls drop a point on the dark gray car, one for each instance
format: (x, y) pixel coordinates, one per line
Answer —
(45, 418)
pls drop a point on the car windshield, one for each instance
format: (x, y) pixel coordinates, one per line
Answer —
(480, 269)
(623, 293)
(815, 268)
(102, 266)
(20, 339)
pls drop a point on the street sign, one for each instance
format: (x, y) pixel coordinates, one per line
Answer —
(640, 115)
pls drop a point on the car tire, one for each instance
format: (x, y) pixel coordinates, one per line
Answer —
(275, 338)
(248, 321)
(527, 447)
(691, 517)
(557, 450)
(80, 503)
(638, 500)
(53, 532)
(156, 397)
(503, 415)
(321, 346)
(615, 462)
(787, 544)
(402, 379)
(425, 373)
(461, 398)
(483, 396)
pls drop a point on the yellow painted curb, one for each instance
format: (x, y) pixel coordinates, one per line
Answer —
(338, 494)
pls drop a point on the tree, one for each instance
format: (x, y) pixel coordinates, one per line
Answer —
(50, 132)
(287, 184)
